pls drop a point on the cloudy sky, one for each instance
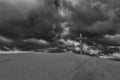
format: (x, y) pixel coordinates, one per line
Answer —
(27, 18)
(100, 18)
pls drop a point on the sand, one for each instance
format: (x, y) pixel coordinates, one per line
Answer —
(46, 66)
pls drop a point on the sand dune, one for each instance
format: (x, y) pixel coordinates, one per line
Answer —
(45, 66)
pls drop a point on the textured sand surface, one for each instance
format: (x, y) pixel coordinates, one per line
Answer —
(43, 66)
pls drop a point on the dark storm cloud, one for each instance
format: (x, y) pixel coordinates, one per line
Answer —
(93, 17)
(21, 19)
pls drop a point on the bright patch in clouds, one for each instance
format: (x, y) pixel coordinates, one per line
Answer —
(23, 1)
(112, 36)
(25, 4)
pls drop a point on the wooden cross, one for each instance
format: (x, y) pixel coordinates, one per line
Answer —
(81, 42)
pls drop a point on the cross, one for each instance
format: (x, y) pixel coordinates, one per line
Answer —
(81, 42)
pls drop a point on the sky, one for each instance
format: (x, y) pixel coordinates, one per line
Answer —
(20, 19)
(27, 18)
(98, 18)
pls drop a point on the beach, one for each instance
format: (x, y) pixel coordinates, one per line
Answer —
(62, 66)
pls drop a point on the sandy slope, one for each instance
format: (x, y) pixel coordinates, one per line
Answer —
(43, 66)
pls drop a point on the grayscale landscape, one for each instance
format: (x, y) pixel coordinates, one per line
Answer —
(59, 39)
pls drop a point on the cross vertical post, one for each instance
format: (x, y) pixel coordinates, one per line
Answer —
(81, 43)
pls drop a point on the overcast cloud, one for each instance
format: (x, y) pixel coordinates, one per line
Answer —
(21, 19)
